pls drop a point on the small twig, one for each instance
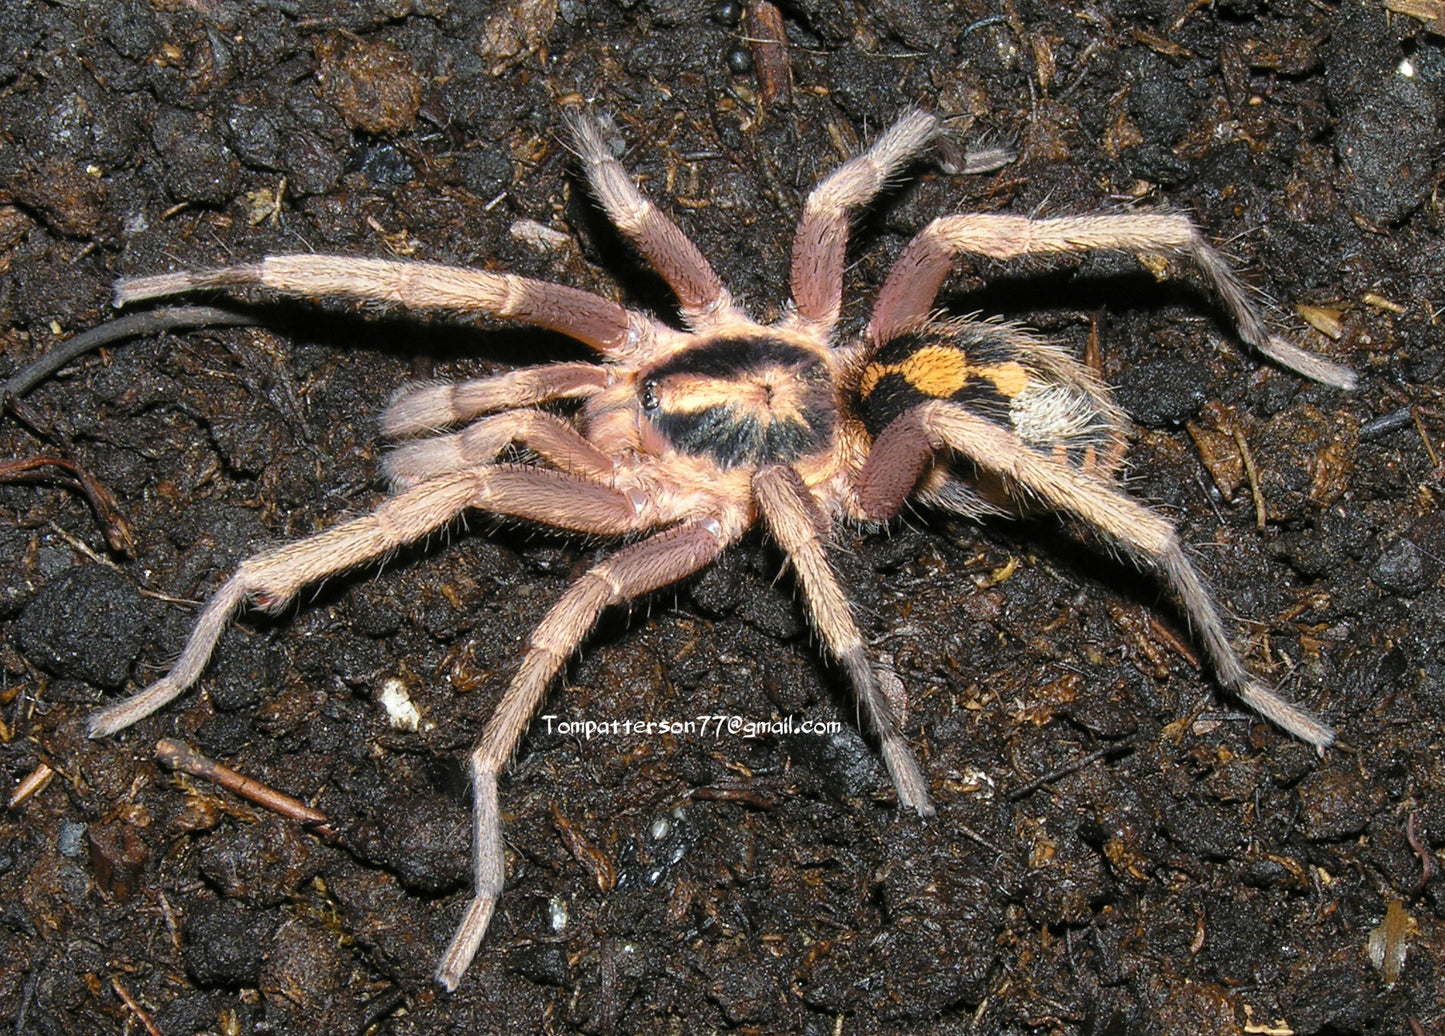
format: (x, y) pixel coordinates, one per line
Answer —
(140, 1012)
(763, 24)
(80, 546)
(1068, 768)
(974, 836)
(1252, 475)
(1171, 639)
(1427, 862)
(1420, 428)
(1379, 427)
(27, 994)
(743, 796)
(35, 782)
(107, 511)
(128, 326)
(177, 756)
(379, 1006)
(587, 854)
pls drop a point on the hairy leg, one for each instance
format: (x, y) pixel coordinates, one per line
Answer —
(912, 286)
(273, 577)
(425, 407)
(821, 243)
(658, 561)
(910, 442)
(699, 290)
(547, 435)
(799, 527)
(588, 318)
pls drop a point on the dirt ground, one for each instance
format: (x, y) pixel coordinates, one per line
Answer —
(1118, 849)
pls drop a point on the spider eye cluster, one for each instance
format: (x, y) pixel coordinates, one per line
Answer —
(743, 401)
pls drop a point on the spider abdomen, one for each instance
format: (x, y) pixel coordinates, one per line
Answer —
(748, 400)
(1002, 374)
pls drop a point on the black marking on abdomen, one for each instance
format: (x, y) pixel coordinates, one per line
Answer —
(908, 371)
(743, 401)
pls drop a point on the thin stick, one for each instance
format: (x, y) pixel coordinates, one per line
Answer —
(177, 756)
(140, 1012)
(33, 783)
(131, 325)
(1250, 473)
(107, 511)
(1068, 768)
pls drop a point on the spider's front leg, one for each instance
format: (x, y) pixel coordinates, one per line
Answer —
(905, 448)
(274, 577)
(798, 525)
(549, 436)
(428, 406)
(422, 408)
(908, 294)
(658, 561)
(588, 318)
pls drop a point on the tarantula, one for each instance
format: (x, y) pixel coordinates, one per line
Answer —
(680, 441)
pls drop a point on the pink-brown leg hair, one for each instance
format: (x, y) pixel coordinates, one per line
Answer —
(656, 562)
(821, 243)
(799, 526)
(273, 577)
(912, 286)
(699, 291)
(909, 443)
(588, 318)
(429, 406)
(549, 436)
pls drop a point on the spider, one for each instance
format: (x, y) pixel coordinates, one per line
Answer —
(681, 440)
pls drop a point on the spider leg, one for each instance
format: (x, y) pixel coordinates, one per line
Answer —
(800, 529)
(588, 318)
(548, 435)
(424, 407)
(658, 561)
(273, 577)
(699, 291)
(908, 294)
(909, 443)
(821, 243)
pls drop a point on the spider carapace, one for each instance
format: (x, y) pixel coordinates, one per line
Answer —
(745, 401)
(680, 440)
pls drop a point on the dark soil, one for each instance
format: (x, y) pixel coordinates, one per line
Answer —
(1199, 873)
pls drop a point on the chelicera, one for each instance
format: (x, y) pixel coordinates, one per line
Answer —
(679, 441)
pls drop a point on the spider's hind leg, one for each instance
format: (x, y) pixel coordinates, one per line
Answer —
(908, 294)
(909, 444)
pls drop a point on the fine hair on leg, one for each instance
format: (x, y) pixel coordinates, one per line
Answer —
(796, 522)
(1148, 539)
(821, 242)
(699, 291)
(658, 561)
(588, 318)
(908, 294)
